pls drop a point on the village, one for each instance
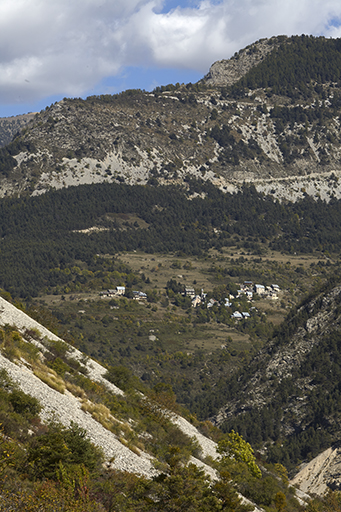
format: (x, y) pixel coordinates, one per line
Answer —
(247, 291)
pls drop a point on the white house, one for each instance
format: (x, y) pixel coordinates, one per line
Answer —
(189, 292)
(260, 289)
(120, 290)
(196, 301)
(137, 295)
(236, 315)
(211, 303)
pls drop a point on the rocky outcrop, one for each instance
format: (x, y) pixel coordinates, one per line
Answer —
(228, 72)
(10, 126)
(280, 362)
(172, 134)
(321, 473)
(284, 373)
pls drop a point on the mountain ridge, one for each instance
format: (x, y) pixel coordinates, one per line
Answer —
(227, 72)
(235, 132)
(243, 130)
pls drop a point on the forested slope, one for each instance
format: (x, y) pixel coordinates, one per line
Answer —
(49, 462)
(43, 233)
(288, 397)
(296, 67)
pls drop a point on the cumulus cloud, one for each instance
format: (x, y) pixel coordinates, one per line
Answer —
(66, 48)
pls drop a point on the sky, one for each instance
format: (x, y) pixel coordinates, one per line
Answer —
(77, 48)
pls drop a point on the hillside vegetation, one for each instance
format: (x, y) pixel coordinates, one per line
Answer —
(58, 467)
(287, 397)
(11, 126)
(63, 245)
(43, 234)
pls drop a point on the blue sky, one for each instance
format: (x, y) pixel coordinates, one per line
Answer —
(76, 48)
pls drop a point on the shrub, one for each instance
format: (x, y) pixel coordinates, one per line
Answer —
(99, 412)
(75, 390)
(68, 446)
(24, 404)
(120, 376)
(59, 366)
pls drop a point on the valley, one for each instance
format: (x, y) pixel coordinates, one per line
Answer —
(164, 338)
(170, 278)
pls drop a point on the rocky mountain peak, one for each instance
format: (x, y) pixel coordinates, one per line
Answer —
(228, 71)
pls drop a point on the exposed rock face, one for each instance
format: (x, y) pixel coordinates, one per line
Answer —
(320, 473)
(286, 358)
(9, 126)
(163, 139)
(228, 72)
(187, 131)
(284, 361)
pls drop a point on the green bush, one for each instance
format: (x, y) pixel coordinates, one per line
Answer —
(24, 404)
(59, 444)
(59, 366)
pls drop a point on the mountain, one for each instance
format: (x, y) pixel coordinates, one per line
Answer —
(67, 403)
(269, 115)
(207, 185)
(225, 73)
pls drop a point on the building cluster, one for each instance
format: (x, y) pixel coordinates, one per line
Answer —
(268, 292)
(197, 300)
(119, 291)
(138, 295)
(247, 289)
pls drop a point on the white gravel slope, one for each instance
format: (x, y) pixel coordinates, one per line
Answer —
(66, 408)
(208, 447)
(11, 315)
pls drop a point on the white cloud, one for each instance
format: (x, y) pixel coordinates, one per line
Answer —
(196, 37)
(65, 47)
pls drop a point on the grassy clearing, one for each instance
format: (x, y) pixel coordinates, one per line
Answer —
(85, 312)
(50, 378)
(161, 268)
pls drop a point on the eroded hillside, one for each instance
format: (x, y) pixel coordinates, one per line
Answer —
(284, 136)
(62, 418)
